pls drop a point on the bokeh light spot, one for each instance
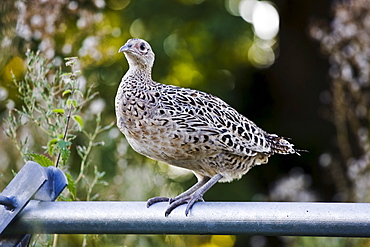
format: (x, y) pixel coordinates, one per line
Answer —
(232, 6)
(263, 15)
(246, 8)
(137, 29)
(222, 240)
(14, 67)
(173, 44)
(261, 56)
(117, 4)
(265, 20)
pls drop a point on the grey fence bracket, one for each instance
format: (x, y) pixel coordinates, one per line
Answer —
(32, 182)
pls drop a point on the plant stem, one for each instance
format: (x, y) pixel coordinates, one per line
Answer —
(55, 240)
(88, 150)
(65, 133)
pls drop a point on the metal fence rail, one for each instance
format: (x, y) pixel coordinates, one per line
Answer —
(250, 218)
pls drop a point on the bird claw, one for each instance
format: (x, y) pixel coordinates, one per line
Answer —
(193, 199)
(153, 200)
(175, 202)
(191, 196)
(190, 200)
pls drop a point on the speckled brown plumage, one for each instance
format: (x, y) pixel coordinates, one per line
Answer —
(188, 128)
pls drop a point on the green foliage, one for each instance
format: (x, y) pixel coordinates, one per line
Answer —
(71, 186)
(79, 121)
(47, 107)
(41, 159)
(63, 147)
(60, 111)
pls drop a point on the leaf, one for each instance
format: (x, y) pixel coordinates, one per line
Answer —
(41, 159)
(66, 92)
(70, 58)
(102, 143)
(74, 103)
(79, 120)
(64, 151)
(71, 186)
(51, 146)
(69, 103)
(60, 111)
(81, 151)
(79, 92)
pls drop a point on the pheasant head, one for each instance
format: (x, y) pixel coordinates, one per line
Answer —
(139, 54)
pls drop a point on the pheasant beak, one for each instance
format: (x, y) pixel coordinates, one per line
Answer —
(125, 48)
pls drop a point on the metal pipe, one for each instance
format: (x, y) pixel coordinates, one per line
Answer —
(249, 218)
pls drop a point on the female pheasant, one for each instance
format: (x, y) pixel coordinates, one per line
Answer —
(187, 128)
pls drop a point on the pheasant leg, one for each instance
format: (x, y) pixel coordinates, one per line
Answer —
(193, 195)
(188, 192)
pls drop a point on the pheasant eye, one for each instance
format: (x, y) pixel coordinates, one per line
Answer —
(142, 47)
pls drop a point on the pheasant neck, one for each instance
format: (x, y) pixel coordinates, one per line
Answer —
(140, 74)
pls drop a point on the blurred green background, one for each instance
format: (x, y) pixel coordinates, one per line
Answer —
(306, 79)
